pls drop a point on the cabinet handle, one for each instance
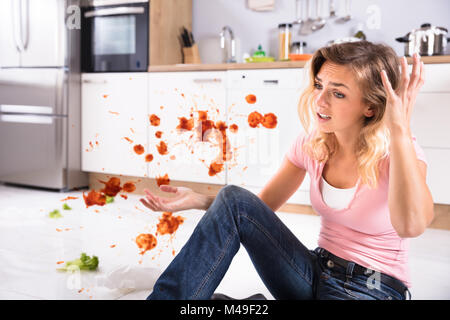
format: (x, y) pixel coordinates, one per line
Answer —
(92, 81)
(270, 82)
(207, 80)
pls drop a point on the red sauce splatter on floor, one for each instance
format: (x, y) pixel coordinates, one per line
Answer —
(162, 148)
(148, 157)
(154, 120)
(112, 187)
(158, 134)
(234, 128)
(269, 121)
(124, 196)
(94, 198)
(139, 149)
(129, 187)
(145, 242)
(168, 224)
(69, 198)
(251, 99)
(162, 180)
(254, 119)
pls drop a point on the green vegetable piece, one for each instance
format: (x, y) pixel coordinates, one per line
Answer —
(109, 199)
(85, 262)
(66, 207)
(55, 214)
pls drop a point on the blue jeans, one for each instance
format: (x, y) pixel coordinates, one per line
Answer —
(288, 269)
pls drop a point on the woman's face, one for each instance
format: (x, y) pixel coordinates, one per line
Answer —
(338, 98)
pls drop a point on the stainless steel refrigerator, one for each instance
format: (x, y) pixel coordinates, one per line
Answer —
(40, 94)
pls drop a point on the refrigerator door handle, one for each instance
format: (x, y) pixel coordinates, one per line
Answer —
(27, 24)
(19, 45)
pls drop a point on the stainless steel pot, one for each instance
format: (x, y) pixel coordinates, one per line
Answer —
(428, 40)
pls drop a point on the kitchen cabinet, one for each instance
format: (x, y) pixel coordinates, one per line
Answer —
(9, 41)
(259, 152)
(173, 96)
(114, 121)
(438, 174)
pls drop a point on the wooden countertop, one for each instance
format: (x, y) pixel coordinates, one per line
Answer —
(261, 65)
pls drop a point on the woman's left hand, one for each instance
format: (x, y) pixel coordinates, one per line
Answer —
(400, 103)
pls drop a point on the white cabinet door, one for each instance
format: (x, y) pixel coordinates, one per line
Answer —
(438, 174)
(114, 121)
(174, 95)
(259, 151)
(429, 121)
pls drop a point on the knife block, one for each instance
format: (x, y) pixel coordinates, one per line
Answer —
(191, 55)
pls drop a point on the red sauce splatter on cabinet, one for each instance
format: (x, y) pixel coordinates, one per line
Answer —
(162, 180)
(139, 149)
(251, 99)
(269, 121)
(162, 148)
(154, 120)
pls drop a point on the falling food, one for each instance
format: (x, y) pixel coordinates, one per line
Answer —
(112, 187)
(215, 168)
(254, 119)
(168, 224)
(162, 148)
(154, 120)
(129, 187)
(148, 157)
(94, 198)
(162, 180)
(139, 149)
(251, 99)
(234, 128)
(145, 242)
(269, 121)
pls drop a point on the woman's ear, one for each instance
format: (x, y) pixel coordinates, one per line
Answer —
(368, 112)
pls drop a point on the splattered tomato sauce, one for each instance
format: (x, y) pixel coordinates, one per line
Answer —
(94, 198)
(269, 121)
(139, 149)
(162, 148)
(162, 180)
(69, 198)
(145, 242)
(215, 168)
(168, 224)
(254, 119)
(112, 187)
(128, 139)
(158, 134)
(148, 157)
(185, 124)
(124, 196)
(154, 120)
(251, 99)
(234, 128)
(129, 187)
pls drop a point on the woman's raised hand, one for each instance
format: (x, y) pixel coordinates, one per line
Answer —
(400, 103)
(184, 199)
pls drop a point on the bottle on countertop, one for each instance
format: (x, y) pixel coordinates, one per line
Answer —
(359, 32)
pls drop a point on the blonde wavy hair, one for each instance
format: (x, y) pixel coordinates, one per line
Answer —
(366, 60)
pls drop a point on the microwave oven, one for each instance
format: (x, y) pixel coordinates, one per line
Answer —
(115, 36)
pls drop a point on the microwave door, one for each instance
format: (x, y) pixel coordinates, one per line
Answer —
(44, 33)
(10, 42)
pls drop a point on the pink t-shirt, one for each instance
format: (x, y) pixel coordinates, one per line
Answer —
(362, 231)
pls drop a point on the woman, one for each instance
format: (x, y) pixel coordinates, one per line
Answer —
(368, 184)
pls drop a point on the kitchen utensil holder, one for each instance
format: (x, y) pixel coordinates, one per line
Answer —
(191, 55)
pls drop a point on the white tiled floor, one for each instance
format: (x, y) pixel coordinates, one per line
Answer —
(30, 247)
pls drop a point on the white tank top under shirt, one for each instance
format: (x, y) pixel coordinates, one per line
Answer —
(335, 198)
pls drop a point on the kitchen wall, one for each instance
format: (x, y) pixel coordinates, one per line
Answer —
(252, 28)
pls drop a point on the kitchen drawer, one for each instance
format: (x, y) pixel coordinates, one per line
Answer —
(437, 78)
(262, 79)
(429, 121)
(438, 174)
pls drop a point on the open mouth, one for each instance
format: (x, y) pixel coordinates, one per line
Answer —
(323, 116)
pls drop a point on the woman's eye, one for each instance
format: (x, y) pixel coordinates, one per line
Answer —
(339, 95)
(317, 85)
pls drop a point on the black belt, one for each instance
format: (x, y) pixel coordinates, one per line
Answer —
(392, 282)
